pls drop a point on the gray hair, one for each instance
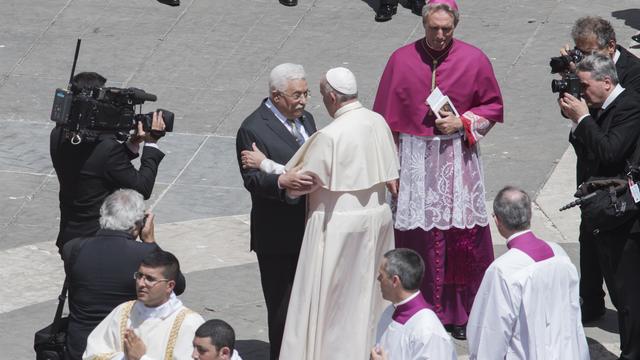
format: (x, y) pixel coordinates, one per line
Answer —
(122, 210)
(282, 74)
(340, 97)
(600, 66)
(593, 26)
(407, 265)
(512, 207)
(428, 9)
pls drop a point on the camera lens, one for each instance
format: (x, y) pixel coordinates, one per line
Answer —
(558, 85)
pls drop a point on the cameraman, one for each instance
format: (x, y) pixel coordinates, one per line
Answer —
(593, 34)
(604, 136)
(88, 172)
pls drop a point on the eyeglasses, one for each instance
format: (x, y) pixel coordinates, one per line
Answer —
(297, 95)
(148, 280)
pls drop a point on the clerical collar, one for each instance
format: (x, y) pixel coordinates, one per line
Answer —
(616, 56)
(409, 307)
(517, 234)
(350, 106)
(162, 311)
(529, 244)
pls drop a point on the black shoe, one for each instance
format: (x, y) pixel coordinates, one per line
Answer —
(459, 332)
(289, 2)
(170, 2)
(636, 37)
(416, 7)
(592, 315)
(385, 12)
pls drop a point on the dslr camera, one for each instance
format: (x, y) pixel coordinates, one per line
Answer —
(569, 83)
(562, 63)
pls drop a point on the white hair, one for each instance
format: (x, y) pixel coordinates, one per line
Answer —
(428, 9)
(282, 74)
(122, 210)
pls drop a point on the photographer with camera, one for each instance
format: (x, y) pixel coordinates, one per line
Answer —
(593, 34)
(90, 160)
(604, 136)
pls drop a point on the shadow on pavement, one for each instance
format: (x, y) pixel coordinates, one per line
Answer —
(609, 322)
(599, 352)
(631, 17)
(253, 349)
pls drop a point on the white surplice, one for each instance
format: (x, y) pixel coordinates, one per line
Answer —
(422, 337)
(152, 325)
(528, 310)
(335, 301)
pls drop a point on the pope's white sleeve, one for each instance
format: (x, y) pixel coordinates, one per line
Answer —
(271, 167)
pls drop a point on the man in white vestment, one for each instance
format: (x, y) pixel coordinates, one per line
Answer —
(408, 329)
(335, 304)
(528, 304)
(215, 340)
(155, 326)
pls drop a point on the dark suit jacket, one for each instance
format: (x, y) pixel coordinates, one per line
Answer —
(100, 273)
(604, 145)
(89, 172)
(628, 69)
(276, 226)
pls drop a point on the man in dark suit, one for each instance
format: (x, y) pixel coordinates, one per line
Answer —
(278, 127)
(100, 269)
(593, 34)
(388, 8)
(603, 143)
(91, 170)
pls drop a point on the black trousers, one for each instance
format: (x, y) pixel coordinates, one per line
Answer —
(628, 290)
(590, 273)
(277, 272)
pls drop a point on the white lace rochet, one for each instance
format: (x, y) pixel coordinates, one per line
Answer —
(441, 184)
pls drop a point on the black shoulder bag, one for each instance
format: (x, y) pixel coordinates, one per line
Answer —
(50, 343)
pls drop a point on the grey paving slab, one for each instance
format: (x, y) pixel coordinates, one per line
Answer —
(214, 165)
(25, 147)
(187, 202)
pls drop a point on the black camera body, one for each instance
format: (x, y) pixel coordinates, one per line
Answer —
(570, 83)
(104, 109)
(562, 63)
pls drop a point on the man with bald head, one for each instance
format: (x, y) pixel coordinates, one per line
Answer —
(278, 128)
(335, 303)
(527, 306)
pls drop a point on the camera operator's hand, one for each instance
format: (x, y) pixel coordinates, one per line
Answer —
(565, 52)
(449, 123)
(141, 135)
(147, 233)
(572, 107)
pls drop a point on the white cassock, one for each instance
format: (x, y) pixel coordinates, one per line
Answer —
(528, 309)
(153, 325)
(410, 331)
(335, 301)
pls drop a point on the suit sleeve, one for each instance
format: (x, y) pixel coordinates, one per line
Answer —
(120, 172)
(256, 181)
(611, 146)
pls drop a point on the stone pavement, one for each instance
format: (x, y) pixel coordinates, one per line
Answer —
(208, 61)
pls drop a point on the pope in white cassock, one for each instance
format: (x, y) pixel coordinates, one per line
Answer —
(408, 329)
(155, 326)
(528, 304)
(334, 304)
